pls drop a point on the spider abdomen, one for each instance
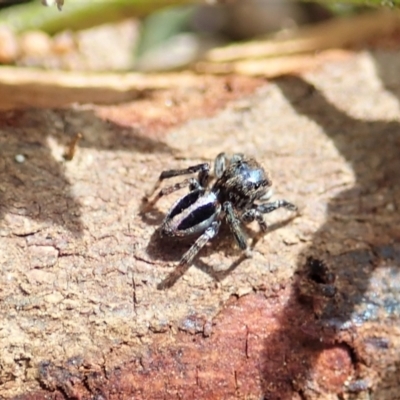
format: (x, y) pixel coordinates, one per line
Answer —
(191, 215)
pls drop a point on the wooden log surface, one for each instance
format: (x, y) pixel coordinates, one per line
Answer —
(82, 312)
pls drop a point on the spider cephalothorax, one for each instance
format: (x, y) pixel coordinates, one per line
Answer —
(239, 193)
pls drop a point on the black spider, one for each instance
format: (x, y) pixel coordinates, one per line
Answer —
(240, 183)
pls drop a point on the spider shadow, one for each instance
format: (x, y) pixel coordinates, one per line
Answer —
(224, 242)
(38, 188)
(309, 326)
(152, 217)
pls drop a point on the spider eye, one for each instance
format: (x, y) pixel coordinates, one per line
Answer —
(253, 185)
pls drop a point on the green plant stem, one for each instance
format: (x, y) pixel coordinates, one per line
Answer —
(78, 14)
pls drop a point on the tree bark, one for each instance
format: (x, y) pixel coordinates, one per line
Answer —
(82, 312)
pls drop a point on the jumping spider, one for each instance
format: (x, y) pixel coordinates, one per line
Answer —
(239, 183)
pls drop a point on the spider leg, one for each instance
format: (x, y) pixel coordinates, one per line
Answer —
(254, 214)
(193, 183)
(201, 241)
(221, 162)
(219, 165)
(257, 214)
(266, 208)
(234, 225)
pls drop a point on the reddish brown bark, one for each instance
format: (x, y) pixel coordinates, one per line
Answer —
(81, 313)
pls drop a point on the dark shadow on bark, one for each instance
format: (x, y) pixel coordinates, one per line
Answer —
(104, 134)
(309, 325)
(38, 188)
(387, 65)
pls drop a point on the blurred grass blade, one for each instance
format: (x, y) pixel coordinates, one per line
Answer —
(162, 25)
(78, 14)
(334, 33)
